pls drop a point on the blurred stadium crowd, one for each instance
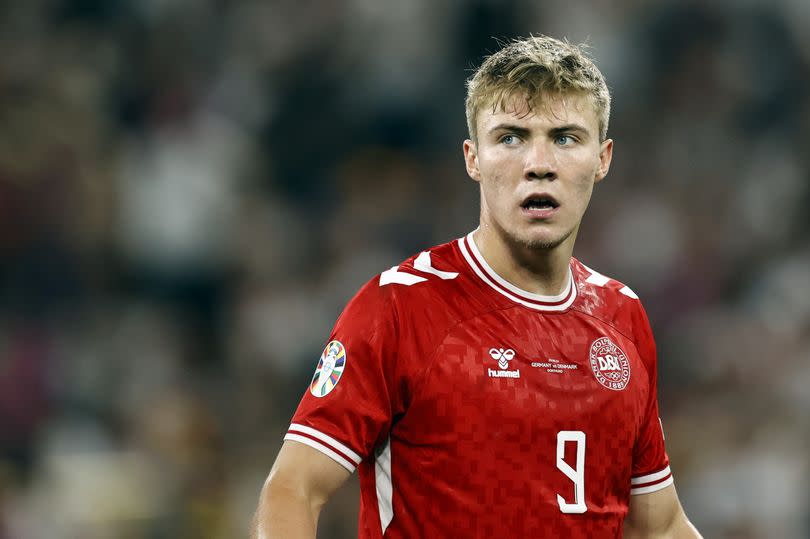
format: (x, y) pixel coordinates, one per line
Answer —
(191, 190)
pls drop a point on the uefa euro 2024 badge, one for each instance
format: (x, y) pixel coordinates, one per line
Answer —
(330, 369)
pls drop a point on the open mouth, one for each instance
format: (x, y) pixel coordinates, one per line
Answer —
(540, 202)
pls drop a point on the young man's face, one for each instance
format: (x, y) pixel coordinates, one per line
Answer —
(537, 170)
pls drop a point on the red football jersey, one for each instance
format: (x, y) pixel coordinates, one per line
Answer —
(476, 409)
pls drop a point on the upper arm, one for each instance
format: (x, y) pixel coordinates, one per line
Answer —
(304, 472)
(658, 515)
(300, 482)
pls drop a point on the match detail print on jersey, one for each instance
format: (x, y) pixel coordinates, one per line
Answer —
(329, 370)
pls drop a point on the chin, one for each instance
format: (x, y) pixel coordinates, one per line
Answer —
(542, 244)
(541, 241)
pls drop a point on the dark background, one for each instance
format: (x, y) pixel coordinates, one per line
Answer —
(191, 190)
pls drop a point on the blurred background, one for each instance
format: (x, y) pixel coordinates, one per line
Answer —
(191, 190)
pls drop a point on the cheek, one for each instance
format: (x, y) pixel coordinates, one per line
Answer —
(492, 176)
(491, 189)
(582, 197)
(499, 168)
(583, 178)
(583, 189)
(585, 185)
(496, 188)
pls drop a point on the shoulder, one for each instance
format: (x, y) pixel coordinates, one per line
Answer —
(420, 287)
(431, 268)
(610, 300)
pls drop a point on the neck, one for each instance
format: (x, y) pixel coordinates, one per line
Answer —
(535, 270)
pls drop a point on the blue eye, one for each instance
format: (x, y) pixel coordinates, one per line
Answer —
(564, 140)
(509, 140)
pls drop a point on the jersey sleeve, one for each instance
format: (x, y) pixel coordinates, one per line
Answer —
(347, 410)
(651, 470)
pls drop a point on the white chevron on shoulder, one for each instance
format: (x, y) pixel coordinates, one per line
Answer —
(596, 278)
(422, 264)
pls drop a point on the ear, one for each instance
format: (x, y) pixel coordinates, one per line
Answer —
(471, 160)
(605, 157)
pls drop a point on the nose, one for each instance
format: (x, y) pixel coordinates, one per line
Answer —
(541, 162)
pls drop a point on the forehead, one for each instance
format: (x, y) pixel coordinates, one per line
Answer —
(547, 109)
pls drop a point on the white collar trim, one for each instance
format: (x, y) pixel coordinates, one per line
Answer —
(482, 269)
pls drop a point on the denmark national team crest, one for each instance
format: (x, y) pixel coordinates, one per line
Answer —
(610, 366)
(330, 369)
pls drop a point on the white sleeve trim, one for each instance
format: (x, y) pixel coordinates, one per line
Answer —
(322, 448)
(325, 444)
(652, 488)
(328, 440)
(649, 478)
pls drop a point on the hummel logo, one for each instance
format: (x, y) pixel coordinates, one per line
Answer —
(503, 357)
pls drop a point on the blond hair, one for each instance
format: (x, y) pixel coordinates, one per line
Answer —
(533, 68)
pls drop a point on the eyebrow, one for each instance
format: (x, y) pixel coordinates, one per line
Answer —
(509, 127)
(568, 128)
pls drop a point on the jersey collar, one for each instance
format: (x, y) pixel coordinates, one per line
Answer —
(480, 267)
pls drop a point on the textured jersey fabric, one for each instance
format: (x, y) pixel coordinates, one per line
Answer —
(475, 409)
